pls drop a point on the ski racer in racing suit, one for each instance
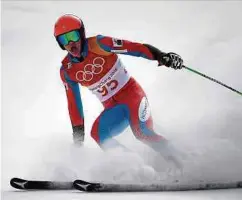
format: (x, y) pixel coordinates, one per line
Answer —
(93, 63)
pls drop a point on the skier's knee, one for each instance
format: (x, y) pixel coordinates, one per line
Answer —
(99, 137)
(95, 136)
(138, 134)
(147, 135)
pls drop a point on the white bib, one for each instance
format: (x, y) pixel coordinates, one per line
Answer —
(111, 83)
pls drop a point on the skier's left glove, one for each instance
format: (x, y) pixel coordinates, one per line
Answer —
(172, 60)
(78, 135)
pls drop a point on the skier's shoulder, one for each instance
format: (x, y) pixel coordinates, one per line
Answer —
(95, 39)
(95, 45)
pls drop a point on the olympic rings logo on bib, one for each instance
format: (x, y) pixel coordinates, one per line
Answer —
(90, 69)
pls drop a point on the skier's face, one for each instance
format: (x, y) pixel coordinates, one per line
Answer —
(74, 48)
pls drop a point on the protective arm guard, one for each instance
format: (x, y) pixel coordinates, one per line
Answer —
(157, 54)
(170, 59)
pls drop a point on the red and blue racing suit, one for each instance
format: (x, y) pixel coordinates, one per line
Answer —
(102, 72)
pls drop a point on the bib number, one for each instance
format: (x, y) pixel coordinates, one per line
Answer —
(110, 86)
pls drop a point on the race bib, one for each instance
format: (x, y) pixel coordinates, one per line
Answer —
(111, 83)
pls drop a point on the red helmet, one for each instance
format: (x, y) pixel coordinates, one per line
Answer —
(67, 23)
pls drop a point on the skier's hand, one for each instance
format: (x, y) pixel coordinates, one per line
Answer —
(78, 135)
(172, 60)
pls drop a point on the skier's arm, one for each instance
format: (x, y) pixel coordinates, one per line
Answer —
(75, 107)
(147, 51)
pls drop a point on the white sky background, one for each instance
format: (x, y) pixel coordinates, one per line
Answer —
(200, 116)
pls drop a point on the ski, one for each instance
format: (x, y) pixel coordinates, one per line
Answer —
(23, 184)
(106, 187)
(85, 186)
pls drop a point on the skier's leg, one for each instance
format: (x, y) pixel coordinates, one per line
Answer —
(142, 126)
(141, 123)
(111, 122)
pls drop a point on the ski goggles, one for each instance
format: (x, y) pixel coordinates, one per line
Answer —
(66, 38)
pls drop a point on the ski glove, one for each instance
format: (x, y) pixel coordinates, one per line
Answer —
(172, 60)
(78, 135)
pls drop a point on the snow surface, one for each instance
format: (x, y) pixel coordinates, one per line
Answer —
(201, 118)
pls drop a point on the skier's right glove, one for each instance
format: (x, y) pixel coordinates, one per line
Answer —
(78, 135)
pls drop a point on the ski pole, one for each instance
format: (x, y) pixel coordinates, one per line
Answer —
(212, 79)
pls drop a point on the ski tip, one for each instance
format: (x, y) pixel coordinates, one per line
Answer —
(18, 183)
(85, 186)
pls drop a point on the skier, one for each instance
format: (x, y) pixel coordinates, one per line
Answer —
(93, 62)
